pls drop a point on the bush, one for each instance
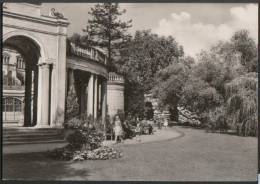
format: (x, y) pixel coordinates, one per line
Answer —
(102, 153)
(216, 119)
(72, 106)
(77, 140)
(87, 136)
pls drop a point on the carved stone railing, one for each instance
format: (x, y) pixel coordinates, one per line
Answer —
(90, 53)
(113, 77)
(13, 87)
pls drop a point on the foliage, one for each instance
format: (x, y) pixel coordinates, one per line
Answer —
(85, 143)
(106, 30)
(242, 103)
(216, 119)
(134, 98)
(148, 111)
(248, 49)
(219, 86)
(101, 153)
(169, 88)
(85, 134)
(199, 97)
(72, 106)
(146, 54)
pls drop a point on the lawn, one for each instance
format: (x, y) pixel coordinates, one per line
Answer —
(195, 156)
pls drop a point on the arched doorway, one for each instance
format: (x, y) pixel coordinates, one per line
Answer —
(30, 52)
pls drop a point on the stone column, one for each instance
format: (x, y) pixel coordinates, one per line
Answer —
(95, 96)
(28, 96)
(82, 99)
(35, 96)
(54, 94)
(90, 95)
(21, 121)
(71, 81)
(99, 100)
(104, 103)
(43, 96)
(58, 107)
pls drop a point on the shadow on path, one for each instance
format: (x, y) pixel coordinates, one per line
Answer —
(36, 166)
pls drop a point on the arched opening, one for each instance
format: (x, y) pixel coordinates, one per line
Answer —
(21, 81)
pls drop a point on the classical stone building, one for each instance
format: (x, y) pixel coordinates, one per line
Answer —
(13, 86)
(115, 93)
(53, 67)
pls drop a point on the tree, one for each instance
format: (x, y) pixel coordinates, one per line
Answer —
(148, 110)
(145, 55)
(221, 87)
(106, 30)
(169, 86)
(242, 103)
(247, 47)
(134, 98)
(76, 39)
(140, 60)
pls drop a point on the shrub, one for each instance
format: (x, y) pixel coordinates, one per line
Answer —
(86, 137)
(72, 106)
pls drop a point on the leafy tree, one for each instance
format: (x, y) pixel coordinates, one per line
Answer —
(139, 60)
(198, 96)
(169, 86)
(134, 98)
(146, 54)
(187, 61)
(106, 30)
(76, 39)
(242, 103)
(148, 110)
(247, 47)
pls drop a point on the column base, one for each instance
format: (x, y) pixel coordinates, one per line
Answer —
(42, 126)
(57, 126)
(21, 122)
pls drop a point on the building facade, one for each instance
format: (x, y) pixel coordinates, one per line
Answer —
(42, 67)
(13, 86)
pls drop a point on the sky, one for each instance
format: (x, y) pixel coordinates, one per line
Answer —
(195, 26)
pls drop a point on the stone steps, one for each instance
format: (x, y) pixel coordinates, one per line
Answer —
(24, 135)
(10, 124)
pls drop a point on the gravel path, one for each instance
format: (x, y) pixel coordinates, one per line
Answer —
(196, 156)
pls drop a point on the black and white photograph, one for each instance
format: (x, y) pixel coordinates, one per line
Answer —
(124, 91)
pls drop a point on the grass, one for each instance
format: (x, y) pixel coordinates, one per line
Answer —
(196, 156)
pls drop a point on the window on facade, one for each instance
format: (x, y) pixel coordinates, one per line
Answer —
(17, 105)
(11, 104)
(8, 104)
(6, 58)
(9, 78)
(19, 62)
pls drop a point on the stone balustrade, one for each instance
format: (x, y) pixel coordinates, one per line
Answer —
(13, 87)
(116, 78)
(90, 53)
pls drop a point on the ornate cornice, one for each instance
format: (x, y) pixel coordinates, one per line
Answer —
(43, 19)
(34, 30)
(88, 66)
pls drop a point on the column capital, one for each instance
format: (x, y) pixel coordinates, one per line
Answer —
(48, 61)
(45, 65)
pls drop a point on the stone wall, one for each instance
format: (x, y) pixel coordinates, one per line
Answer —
(115, 94)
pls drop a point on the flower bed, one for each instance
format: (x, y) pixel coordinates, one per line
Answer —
(101, 153)
(84, 142)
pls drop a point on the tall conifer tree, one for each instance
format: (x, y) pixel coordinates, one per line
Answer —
(106, 30)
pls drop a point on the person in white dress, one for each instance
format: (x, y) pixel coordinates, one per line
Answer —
(165, 123)
(118, 129)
